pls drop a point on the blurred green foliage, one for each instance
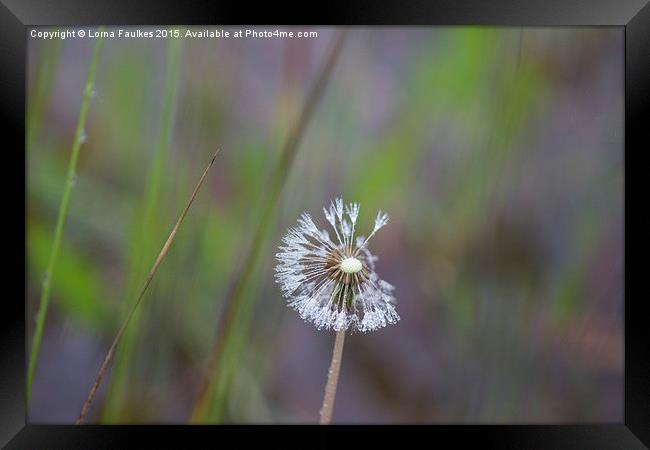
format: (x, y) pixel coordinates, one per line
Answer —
(496, 153)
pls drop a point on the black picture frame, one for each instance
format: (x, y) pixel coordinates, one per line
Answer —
(632, 15)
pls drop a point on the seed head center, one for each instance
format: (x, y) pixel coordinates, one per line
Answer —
(351, 265)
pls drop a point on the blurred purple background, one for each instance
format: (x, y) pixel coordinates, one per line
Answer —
(497, 152)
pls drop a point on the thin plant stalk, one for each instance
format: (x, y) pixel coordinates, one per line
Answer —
(327, 409)
(63, 212)
(152, 272)
(233, 306)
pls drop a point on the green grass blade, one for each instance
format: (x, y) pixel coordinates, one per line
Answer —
(147, 229)
(63, 210)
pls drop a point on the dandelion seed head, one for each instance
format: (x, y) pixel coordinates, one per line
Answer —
(331, 282)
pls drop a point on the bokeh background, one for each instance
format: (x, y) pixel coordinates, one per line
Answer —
(497, 152)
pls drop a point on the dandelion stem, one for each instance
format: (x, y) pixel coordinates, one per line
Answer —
(152, 272)
(332, 379)
(63, 212)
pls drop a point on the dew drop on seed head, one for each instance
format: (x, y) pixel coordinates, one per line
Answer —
(73, 181)
(93, 93)
(83, 137)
